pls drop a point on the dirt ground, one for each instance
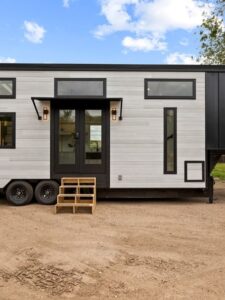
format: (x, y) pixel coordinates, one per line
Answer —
(126, 250)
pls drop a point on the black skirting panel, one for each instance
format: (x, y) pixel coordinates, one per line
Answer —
(141, 193)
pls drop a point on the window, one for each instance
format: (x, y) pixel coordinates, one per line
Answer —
(93, 136)
(7, 130)
(194, 171)
(170, 89)
(80, 88)
(8, 88)
(170, 140)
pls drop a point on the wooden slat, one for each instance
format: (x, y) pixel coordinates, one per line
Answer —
(65, 204)
(67, 195)
(84, 204)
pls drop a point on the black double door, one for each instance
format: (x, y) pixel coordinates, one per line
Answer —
(80, 141)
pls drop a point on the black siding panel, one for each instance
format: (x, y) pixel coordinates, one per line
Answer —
(212, 118)
(221, 110)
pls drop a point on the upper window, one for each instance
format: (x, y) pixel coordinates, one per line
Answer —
(170, 88)
(8, 88)
(80, 87)
(7, 130)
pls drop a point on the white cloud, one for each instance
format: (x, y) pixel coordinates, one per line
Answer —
(66, 3)
(165, 15)
(181, 58)
(143, 44)
(7, 60)
(117, 16)
(144, 18)
(34, 32)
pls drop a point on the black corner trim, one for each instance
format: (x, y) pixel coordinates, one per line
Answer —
(13, 116)
(104, 80)
(186, 162)
(193, 97)
(13, 95)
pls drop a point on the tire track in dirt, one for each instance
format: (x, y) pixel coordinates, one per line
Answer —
(46, 277)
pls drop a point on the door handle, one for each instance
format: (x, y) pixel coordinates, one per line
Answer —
(77, 135)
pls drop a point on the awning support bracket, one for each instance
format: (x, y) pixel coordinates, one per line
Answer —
(121, 110)
(35, 107)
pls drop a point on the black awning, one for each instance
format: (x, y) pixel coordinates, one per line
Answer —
(97, 100)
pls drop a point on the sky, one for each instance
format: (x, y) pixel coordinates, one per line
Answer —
(100, 31)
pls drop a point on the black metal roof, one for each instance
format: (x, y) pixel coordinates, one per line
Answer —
(109, 67)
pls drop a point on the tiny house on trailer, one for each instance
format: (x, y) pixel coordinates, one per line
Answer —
(143, 131)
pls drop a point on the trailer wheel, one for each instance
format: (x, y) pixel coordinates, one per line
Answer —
(46, 192)
(19, 192)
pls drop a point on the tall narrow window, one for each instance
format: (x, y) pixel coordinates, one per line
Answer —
(170, 140)
(93, 136)
(67, 141)
(7, 130)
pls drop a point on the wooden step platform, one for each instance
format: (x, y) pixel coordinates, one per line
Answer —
(77, 192)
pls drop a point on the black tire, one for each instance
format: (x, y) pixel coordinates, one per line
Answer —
(19, 192)
(46, 192)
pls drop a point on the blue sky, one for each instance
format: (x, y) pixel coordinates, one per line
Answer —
(100, 31)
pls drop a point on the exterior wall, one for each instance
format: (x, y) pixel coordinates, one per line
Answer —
(31, 158)
(137, 141)
(136, 146)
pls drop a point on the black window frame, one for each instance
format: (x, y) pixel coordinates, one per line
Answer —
(201, 162)
(56, 80)
(13, 96)
(193, 97)
(13, 115)
(165, 140)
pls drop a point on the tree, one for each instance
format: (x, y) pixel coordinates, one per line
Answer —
(212, 35)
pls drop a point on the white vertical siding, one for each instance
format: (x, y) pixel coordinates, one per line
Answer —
(136, 146)
(137, 141)
(194, 171)
(31, 158)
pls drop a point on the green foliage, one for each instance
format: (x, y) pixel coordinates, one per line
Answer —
(212, 36)
(66, 114)
(219, 171)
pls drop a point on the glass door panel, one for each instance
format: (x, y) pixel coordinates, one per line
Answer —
(93, 137)
(67, 142)
(81, 141)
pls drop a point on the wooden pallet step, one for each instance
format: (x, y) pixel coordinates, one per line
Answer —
(83, 204)
(72, 193)
(85, 195)
(68, 186)
(69, 204)
(64, 204)
(74, 204)
(69, 180)
(87, 181)
(66, 195)
(86, 186)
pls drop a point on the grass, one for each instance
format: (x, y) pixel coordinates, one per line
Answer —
(219, 171)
